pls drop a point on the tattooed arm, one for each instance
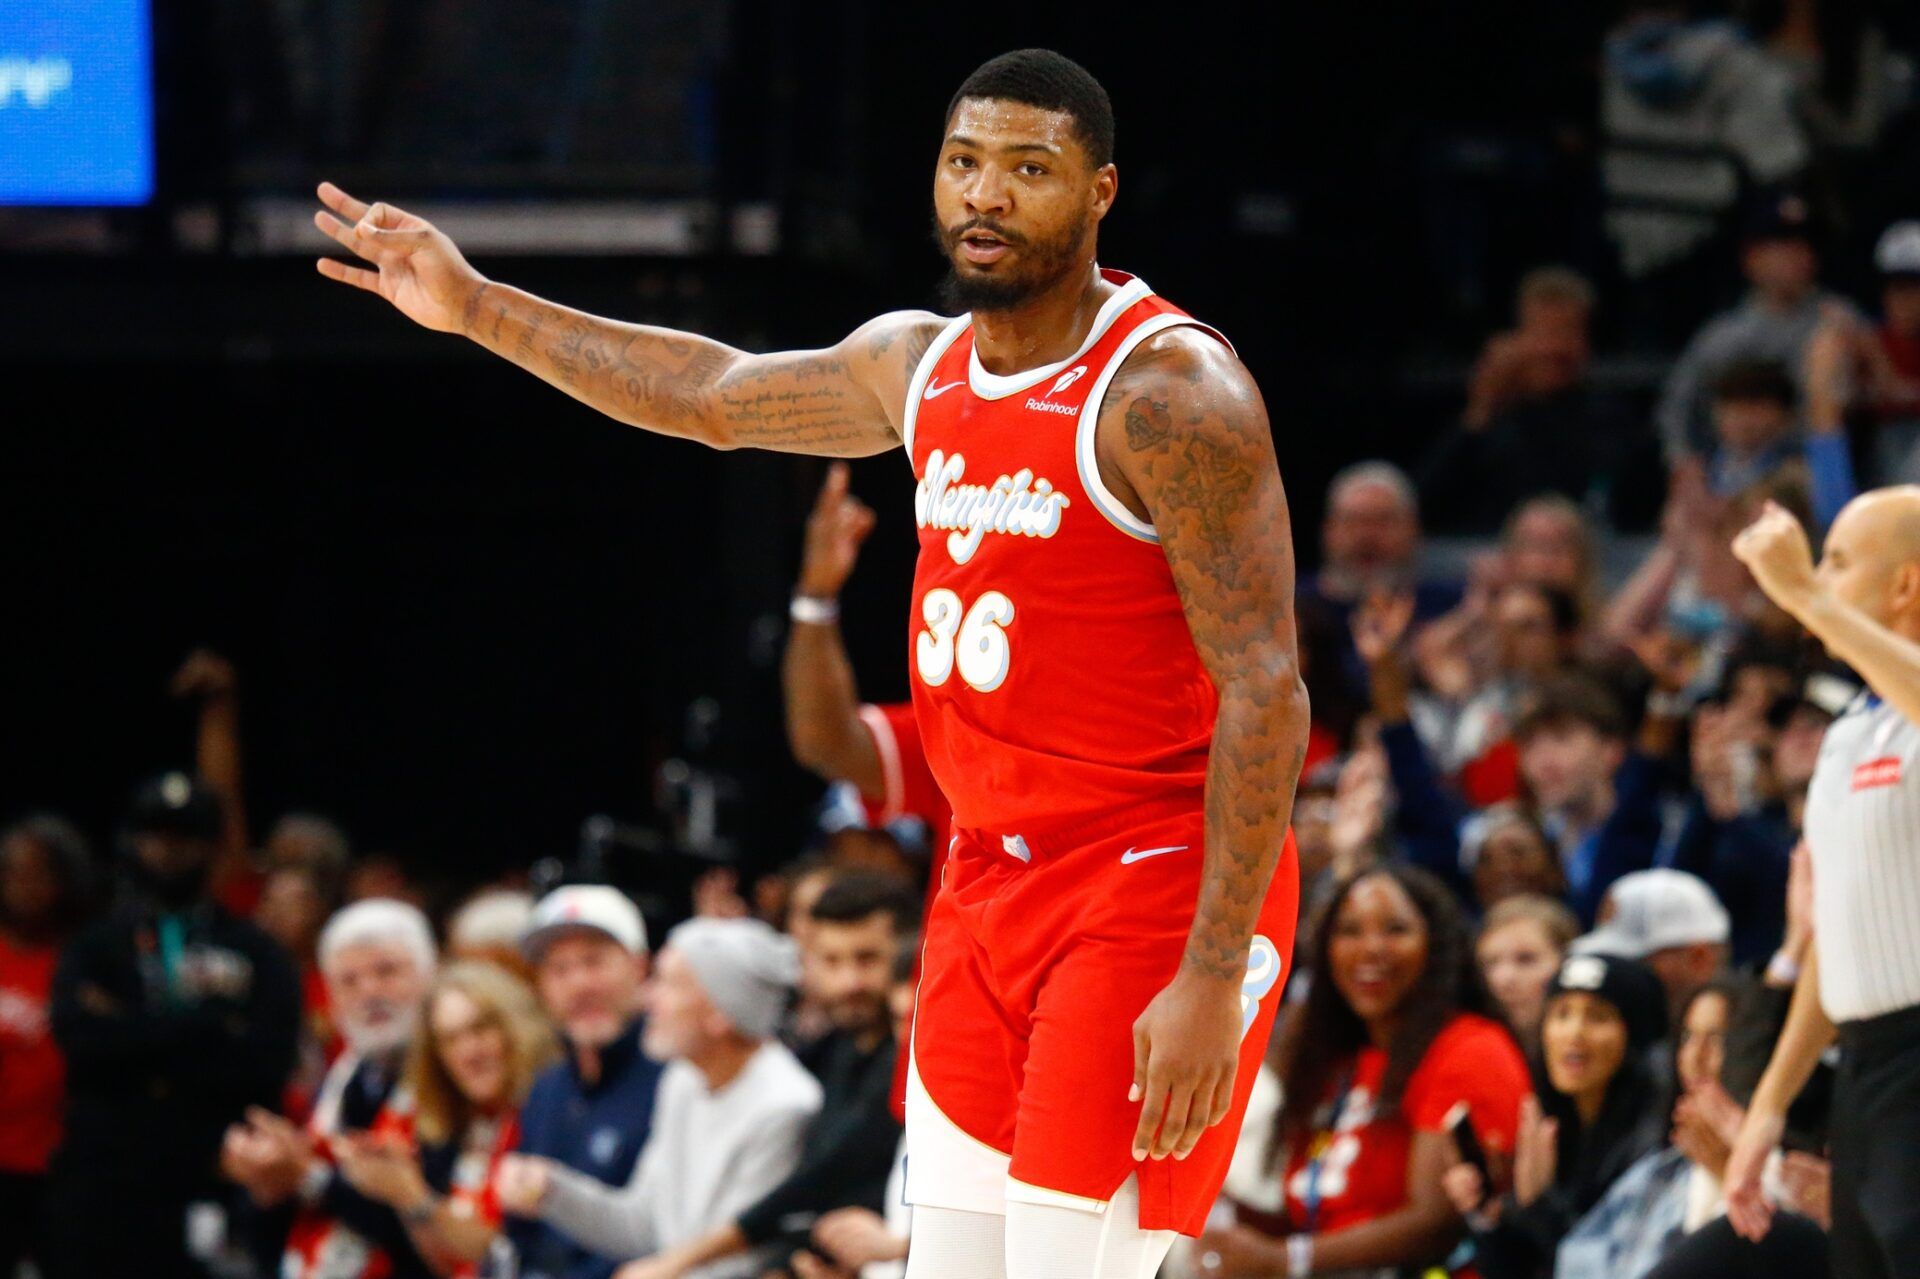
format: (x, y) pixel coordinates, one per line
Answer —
(1183, 441)
(843, 400)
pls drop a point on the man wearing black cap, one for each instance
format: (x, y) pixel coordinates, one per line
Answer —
(174, 1017)
(1780, 314)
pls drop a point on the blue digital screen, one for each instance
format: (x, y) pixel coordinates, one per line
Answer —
(76, 102)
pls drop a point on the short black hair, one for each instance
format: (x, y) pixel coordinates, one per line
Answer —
(855, 896)
(1748, 380)
(1053, 82)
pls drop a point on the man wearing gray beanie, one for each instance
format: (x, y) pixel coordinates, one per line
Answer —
(732, 1111)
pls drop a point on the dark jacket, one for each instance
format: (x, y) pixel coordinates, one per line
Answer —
(172, 1025)
(595, 1128)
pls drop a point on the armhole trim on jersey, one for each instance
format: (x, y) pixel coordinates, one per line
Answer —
(888, 747)
(917, 385)
(1087, 458)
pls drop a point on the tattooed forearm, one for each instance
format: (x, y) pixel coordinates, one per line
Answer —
(686, 385)
(1194, 444)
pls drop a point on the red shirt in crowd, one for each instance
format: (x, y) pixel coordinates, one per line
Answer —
(1358, 1170)
(32, 1072)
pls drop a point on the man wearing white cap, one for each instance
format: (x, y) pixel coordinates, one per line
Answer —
(591, 1112)
(732, 1111)
(1670, 921)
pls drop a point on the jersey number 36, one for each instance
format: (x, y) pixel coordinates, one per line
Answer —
(973, 639)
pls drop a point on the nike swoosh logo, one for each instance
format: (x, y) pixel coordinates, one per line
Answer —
(1129, 857)
(935, 389)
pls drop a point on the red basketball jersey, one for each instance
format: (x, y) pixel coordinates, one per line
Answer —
(1054, 679)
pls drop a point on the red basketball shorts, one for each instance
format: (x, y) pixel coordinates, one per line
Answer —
(1037, 961)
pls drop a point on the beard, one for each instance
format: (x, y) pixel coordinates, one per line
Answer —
(1043, 263)
(387, 1031)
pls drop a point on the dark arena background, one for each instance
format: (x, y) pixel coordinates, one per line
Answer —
(502, 640)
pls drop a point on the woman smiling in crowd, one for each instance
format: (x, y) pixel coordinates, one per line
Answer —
(1396, 1032)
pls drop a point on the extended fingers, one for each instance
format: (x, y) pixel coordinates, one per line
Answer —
(342, 203)
(359, 277)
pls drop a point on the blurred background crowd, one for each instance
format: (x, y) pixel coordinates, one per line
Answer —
(428, 848)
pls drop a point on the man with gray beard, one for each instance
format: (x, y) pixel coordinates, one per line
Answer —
(378, 958)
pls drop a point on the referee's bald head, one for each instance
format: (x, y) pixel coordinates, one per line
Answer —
(1872, 556)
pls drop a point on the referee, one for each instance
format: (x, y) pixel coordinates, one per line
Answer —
(1861, 983)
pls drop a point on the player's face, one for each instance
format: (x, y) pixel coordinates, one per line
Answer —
(590, 984)
(1517, 962)
(1584, 1040)
(850, 970)
(1379, 947)
(1015, 203)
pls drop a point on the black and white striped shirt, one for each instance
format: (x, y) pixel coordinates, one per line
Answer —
(1863, 828)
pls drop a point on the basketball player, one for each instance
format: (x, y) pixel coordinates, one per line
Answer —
(1104, 673)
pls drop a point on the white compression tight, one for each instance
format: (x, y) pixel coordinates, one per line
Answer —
(1037, 1241)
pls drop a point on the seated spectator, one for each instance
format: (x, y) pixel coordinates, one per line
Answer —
(1549, 542)
(1533, 422)
(858, 924)
(593, 1110)
(488, 929)
(1781, 313)
(1396, 1033)
(733, 1108)
(1480, 664)
(174, 1018)
(1672, 1191)
(45, 876)
(1370, 544)
(313, 843)
(483, 1039)
(859, 1241)
(1671, 922)
(1522, 942)
(1873, 373)
(378, 958)
(1596, 796)
(1691, 111)
(1756, 432)
(1598, 1110)
(293, 909)
(1506, 854)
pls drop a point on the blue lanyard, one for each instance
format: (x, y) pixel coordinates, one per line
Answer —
(1322, 1143)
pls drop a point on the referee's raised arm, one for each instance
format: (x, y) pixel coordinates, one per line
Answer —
(1861, 983)
(1866, 586)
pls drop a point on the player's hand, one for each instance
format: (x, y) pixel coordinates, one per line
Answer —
(1186, 1050)
(839, 524)
(1748, 1208)
(416, 267)
(521, 1184)
(1775, 550)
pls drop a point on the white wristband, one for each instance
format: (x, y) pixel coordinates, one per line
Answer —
(1783, 968)
(814, 610)
(1299, 1256)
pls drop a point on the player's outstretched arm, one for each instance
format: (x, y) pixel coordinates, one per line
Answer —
(843, 400)
(1184, 427)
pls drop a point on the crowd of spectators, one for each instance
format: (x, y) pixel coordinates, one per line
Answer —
(1548, 831)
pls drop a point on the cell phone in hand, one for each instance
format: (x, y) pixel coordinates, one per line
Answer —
(1460, 1127)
